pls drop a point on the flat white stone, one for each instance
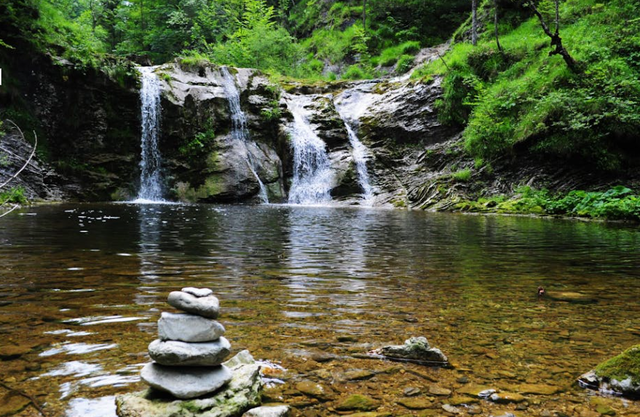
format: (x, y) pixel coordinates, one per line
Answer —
(198, 292)
(175, 353)
(269, 411)
(208, 306)
(188, 328)
(186, 382)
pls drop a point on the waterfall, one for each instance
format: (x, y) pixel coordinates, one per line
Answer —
(150, 162)
(351, 105)
(239, 131)
(312, 174)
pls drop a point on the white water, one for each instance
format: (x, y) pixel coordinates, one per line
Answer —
(312, 174)
(150, 163)
(351, 105)
(239, 125)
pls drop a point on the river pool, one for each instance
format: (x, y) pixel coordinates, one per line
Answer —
(312, 289)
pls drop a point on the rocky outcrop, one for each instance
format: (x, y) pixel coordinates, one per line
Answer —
(619, 375)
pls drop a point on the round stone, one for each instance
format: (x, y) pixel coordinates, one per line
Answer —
(208, 306)
(198, 292)
(186, 382)
(175, 353)
(188, 328)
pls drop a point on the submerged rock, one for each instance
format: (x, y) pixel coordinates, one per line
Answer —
(269, 411)
(175, 353)
(240, 394)
(416, 349)
(182, 383)
(619, 375)
(570, 297)
(189, 328)
(208, 306)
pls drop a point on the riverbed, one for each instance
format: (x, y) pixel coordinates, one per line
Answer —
(310, 290)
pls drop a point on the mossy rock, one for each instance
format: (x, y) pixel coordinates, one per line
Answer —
(622, 367)
(358, 402)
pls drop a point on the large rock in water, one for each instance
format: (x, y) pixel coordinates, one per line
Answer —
(416, 349)
(619, 375)
(208, 306)
(174, 353)
(185, 383)
(241, 394)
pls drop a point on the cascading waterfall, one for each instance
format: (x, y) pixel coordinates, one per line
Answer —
(150, 162)
(312, 174)
(351, 105)
(239, 125)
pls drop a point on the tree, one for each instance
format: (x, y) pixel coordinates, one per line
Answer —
(556, 40)
(364, 15)
(474, 22)
(495, 24)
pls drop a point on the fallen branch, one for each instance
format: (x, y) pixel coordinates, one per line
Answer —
(33, 152)
(25, 395)
(7, 212)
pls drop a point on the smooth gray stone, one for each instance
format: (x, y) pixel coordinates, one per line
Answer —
(198, 292)
(174, 353)
(186, 382)
(208, 306)
(188, 328)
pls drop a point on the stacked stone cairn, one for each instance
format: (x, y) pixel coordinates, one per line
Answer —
(190, 350)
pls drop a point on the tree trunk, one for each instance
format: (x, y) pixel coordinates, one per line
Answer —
(495, 24)
(474, 22)
(364, 15)
(556, 40)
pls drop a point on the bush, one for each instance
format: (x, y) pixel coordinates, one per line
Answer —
(404, 64)
(354, 72)
(463, 175)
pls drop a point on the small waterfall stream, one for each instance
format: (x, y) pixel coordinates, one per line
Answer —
(351, 105)
(312, 174)
(239, 126)
(151, 160)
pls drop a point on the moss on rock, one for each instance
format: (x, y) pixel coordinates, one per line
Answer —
(622, 367)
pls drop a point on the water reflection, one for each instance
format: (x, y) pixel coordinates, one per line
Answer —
(298, 281)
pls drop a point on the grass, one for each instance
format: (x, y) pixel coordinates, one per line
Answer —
(618, 203)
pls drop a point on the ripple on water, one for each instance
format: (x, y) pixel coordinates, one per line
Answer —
(78, 348)
(100, 407)
(91, 321)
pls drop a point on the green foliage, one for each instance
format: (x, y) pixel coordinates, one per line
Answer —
(14, 195)
(404, 64)
(199, 145)
(524, 98)
(272, 112)
(391, 55)
(463, 175)
(618, 203)
(355, 72)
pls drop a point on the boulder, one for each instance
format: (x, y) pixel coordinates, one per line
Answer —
(241, 394)
(189, 328)
(208, 306)
(186, 383)
(416, 349)
(619, 375)
(175, 353)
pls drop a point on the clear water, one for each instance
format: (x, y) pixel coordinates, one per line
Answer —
(151, 159)
(351, 106)
(312, 289)
(240, 132)
(313, 177)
